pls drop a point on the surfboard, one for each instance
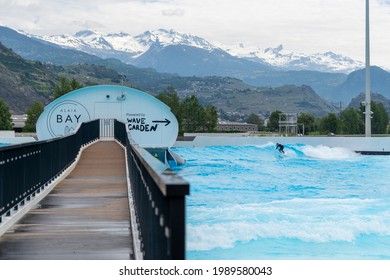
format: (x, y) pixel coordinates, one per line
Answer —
(279, 155)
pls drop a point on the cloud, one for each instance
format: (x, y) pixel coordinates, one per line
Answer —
(149, 1)
(173, 12)
(87, 24)
(300, 25)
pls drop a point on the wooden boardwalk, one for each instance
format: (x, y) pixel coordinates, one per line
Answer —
(86, 216)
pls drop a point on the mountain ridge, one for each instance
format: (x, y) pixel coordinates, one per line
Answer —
(228, 94)
(333, 87)
(135, 46)
(287, 60)
(355, 84)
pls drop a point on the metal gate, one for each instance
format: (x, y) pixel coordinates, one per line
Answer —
(107, 129)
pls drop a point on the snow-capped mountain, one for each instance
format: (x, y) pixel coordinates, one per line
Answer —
(281, 58)
(129, 48)
(171, 37)
(92, 41)
(96, 42)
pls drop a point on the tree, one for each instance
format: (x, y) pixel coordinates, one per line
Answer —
(193, 115)
(351, 121)
(330, 124)
(380, 117)
(255, 119)
(5, 117)
(172, 100)
(32, 116)
(307, 121)
(66, 86)
(273, 124)
(210, 118)
(190, 114)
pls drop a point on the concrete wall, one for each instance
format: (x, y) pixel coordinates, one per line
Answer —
(16, 140)
(7, 133)
(353, 143)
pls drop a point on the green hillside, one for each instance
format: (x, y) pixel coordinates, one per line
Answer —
(22, 82)
(232, 95)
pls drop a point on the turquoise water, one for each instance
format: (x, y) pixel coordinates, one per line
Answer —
(315, 203)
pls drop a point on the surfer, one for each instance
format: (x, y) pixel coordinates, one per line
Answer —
(280, 148)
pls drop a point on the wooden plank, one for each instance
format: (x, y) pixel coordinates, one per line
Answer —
(86, 216)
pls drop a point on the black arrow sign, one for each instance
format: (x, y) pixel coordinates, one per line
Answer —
(166, 121)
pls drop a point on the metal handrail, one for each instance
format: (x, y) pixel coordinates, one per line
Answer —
(159, 200)
(28, 168)
(158, 193)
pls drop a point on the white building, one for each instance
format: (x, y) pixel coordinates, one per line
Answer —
(236, 126)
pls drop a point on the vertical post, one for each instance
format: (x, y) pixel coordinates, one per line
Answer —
(177, 227)
(368, 73)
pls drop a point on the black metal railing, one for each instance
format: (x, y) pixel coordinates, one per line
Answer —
(159, 200)
(25, 169)
(158, 193)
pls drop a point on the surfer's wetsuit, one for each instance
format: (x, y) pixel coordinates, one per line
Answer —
(280, 147)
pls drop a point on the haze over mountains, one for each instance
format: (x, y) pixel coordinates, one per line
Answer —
(237, 79)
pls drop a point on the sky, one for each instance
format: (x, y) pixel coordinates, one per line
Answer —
(304, 26)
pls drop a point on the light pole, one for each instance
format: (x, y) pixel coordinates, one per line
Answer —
(368, 74)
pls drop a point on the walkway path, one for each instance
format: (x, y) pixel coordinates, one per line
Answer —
(86, 216)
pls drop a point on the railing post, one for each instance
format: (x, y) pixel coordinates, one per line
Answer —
(2, 208)
(177, 227)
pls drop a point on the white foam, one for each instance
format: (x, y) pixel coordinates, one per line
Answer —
(322, 220)
(328, 153)
(268, 144)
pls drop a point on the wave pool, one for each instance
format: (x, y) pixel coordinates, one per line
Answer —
(247, 203)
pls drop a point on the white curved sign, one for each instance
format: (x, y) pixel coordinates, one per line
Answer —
(150, 122)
